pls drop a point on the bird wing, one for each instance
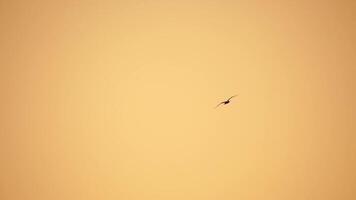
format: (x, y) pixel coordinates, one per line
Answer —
(232, 97)
(219, 104)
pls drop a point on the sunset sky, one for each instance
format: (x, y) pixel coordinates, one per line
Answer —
(114, 100)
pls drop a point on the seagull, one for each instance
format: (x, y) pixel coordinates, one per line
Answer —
(226, 102)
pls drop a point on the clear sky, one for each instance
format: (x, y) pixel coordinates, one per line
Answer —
(115, 100)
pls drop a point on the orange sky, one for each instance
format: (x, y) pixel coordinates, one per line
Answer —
(115, 100)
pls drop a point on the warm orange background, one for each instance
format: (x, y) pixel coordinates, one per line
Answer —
(115, 100)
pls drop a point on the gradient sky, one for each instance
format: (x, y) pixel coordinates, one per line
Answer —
(115, 100)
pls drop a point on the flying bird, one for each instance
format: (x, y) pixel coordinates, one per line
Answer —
(226, 102)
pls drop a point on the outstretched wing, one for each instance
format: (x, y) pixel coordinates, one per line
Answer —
(219, 104)
(232, 97)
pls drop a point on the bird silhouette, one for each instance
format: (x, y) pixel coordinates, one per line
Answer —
(226, 102)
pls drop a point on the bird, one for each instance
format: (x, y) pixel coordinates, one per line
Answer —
(226, 102)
